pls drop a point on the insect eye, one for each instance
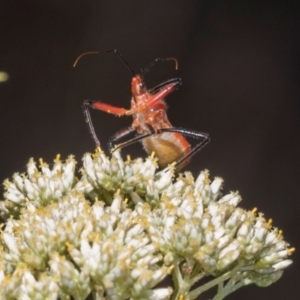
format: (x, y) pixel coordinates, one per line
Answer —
(142, 85)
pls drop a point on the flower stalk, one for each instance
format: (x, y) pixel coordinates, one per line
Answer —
(122, 227)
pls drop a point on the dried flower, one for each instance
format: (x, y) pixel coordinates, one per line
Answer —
(121, 228)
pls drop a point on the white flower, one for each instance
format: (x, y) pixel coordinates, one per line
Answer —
(41, 187)
(122, 227)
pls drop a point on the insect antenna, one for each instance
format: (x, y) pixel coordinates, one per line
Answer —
(83, 54)
(122, 58)
(107, 51)
(146, 70)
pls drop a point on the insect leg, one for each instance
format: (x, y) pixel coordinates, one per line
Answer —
(88, 120)
(120, 134)
(164, 90)
(110, 109)
(100, 106)
(175, 81)
(189, 133)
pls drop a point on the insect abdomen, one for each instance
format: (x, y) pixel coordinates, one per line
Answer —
(169, 147)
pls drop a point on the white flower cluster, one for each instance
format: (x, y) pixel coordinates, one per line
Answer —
(123, 227)
(80, 249)
(138, 177)
(41, 187)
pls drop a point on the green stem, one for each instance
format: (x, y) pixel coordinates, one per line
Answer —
(182, 287)
(233, 284)
(217, 281)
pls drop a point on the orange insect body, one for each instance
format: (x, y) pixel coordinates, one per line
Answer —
(150, 121)
(149, 112)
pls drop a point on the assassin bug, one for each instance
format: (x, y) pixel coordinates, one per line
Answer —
(150, 120)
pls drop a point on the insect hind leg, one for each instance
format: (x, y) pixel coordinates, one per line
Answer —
(189, 133)
(205, 139)
(122, 133)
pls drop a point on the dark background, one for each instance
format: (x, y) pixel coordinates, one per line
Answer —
(239, 62)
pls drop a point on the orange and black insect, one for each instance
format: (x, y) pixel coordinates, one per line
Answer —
(150, 120)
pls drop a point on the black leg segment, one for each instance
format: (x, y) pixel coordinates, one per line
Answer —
(120, 134)
(88, 120)
(188, 133)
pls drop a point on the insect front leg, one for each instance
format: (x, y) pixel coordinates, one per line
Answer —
(100, 106)
(110, 109)
(88, 120)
